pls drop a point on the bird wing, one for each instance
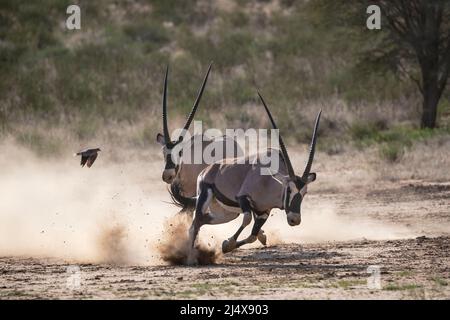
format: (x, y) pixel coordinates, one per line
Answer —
(91, 159)
(84, 158)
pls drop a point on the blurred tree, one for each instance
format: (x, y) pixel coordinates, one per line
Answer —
(424, 26)
(414, 40)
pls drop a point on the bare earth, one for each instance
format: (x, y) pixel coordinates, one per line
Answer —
(416, 267)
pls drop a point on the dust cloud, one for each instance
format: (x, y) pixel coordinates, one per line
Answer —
(112, 242)
(175, 247)
(321, 222)
(110, 213)
(118, 213)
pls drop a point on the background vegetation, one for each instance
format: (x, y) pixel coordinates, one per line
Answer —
(106, 79)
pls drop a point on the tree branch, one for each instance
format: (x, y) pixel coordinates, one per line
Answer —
(402, 23)
(410, 76)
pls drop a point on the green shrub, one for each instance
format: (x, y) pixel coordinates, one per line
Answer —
(364, 131)
(392, 152)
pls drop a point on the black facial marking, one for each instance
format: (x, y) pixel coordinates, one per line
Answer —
(299, 183)
(296, 202)
(169, 162)
(170, 145)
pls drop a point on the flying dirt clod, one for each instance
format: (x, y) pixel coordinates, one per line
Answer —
(88, 156)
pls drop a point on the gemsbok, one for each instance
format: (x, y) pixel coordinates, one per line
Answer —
(241, 188)
(182, 174)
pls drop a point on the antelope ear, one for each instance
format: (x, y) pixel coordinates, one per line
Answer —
(160, 139)
(311, 177)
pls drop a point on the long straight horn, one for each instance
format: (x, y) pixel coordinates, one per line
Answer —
(312, 149)
(197, 101)
(164, 104)
(282, 146)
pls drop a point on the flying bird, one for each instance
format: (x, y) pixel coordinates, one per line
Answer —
(88, 156)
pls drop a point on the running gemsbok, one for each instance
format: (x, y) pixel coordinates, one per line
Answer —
(182, 174)
(241, 188)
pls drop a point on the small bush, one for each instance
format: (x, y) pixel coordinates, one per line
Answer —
(392, 142)
(366, 131)
(392, 152)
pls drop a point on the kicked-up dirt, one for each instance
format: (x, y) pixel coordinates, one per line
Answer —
(386, 242)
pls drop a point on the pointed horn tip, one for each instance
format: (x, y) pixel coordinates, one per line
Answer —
(209, 69)
(319, 113)
(261, 98)
(318, 117)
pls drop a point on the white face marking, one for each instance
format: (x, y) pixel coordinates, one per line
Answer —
(293, 189)
(164, 151)
(304, 190)
(291, 196)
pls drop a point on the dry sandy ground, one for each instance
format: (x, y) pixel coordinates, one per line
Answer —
(410, 269)
(401, 227)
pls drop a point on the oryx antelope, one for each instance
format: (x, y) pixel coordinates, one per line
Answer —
(241, 188)
(182, 175)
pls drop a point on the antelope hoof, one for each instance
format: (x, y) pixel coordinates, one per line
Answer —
(191, 257)
(228, 245)
(262, 237)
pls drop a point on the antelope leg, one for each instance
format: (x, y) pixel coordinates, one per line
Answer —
(203, 200)
(245, 222)
(261, 235)
(193, 232)
(230, 244)
(259, 222)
